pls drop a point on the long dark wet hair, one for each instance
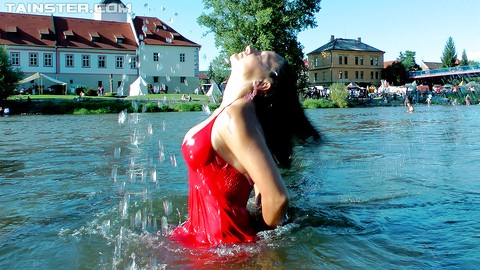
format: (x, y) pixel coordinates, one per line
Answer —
(282, 117)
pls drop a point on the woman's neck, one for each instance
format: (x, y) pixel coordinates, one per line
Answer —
(235, 90)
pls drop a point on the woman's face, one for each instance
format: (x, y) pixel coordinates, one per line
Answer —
(255, 64)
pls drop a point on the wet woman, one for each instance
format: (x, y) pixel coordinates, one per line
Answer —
(238, 148)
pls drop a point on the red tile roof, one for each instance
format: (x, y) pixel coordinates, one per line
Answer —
(26, 29)
(156, 32)
(83, 30)
(38, 30)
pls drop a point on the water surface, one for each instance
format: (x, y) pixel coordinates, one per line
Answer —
(385, 189)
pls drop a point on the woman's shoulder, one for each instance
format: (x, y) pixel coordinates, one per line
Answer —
(237, 116)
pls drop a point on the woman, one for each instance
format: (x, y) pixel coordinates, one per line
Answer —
(238, 148)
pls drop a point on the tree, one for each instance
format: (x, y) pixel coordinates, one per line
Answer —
(408, 60)
(265, 25)
(449, 56)
(9, 76)
(395, 73)
(464, 61)
(219, 69)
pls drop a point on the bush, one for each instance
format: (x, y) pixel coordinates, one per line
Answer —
(188, 107)
(317, 103)
(338, 95)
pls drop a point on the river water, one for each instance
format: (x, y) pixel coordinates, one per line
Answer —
(385, 189)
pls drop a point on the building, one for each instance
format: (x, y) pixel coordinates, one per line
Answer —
(345, 61)
(110, 51)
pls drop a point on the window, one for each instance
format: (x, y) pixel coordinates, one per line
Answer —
(356, 75)
(155, 79)
(182, 57)
(376, 75)
(361, 61)
(340, 75)
(376, 61)
(182, 79)
(33, 59)
(102, 63)
(361, 75)
(15, 59)
(315, 77)
(133, 62)
(119, 62)
(356, 60)
(100, 83)
(48, 60)
(345, 60)
(85, 61)
(156, 56)
(345, 74)
(315, 62)
(340, 60)
(371, 75)
(371, 62)
(69, 60)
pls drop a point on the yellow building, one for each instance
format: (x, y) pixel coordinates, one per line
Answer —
(345, 61)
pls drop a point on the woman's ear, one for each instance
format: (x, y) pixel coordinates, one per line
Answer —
(262, 85)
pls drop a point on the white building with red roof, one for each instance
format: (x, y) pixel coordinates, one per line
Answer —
(111, 51)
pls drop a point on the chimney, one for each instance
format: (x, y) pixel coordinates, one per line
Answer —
(359, 39)
(332, 37)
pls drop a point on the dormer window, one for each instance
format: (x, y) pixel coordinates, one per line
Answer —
(119, 38)
(149, 34)
(11, 30)
(68, 34)
(44, 33)
(158, 26)
(94, 37)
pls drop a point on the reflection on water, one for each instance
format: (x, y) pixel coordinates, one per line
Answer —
(385, 189)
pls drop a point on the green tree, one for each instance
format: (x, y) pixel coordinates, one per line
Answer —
(449, 56)
(264, 24)
(408, 60)
(464, 61)
(9, 76)
(396, 73)
(338, 95)
(219, 69)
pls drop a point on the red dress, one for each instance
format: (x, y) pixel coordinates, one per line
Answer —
(217, 198)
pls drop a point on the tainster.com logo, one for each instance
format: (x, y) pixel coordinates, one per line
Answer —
(66, 8)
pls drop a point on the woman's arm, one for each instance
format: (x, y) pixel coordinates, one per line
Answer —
(242, 134)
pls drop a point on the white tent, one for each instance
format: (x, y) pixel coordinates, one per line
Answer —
(41, 76)
(139, 87)
(214, 92)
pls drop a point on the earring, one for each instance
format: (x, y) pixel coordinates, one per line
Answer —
(251, 95)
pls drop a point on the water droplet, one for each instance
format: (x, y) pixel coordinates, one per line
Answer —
(159, 67)
(186, 83)
(140, 37)
(227, 60)
(146, 5)
(162, 8)
(167, 207)
(144, 28)
(122, 116)
(173, 160)
(171, 20)
(167, 78)
(146, 21)
(176, 14)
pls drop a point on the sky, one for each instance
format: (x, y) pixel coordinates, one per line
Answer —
(422, 26)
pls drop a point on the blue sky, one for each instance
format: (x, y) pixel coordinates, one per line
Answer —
(422, 26)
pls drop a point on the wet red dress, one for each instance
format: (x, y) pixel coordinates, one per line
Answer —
(217, 198)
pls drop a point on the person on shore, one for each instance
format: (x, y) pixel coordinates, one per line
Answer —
(237, 150)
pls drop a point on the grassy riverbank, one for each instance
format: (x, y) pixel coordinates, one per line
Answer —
(69, 104)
